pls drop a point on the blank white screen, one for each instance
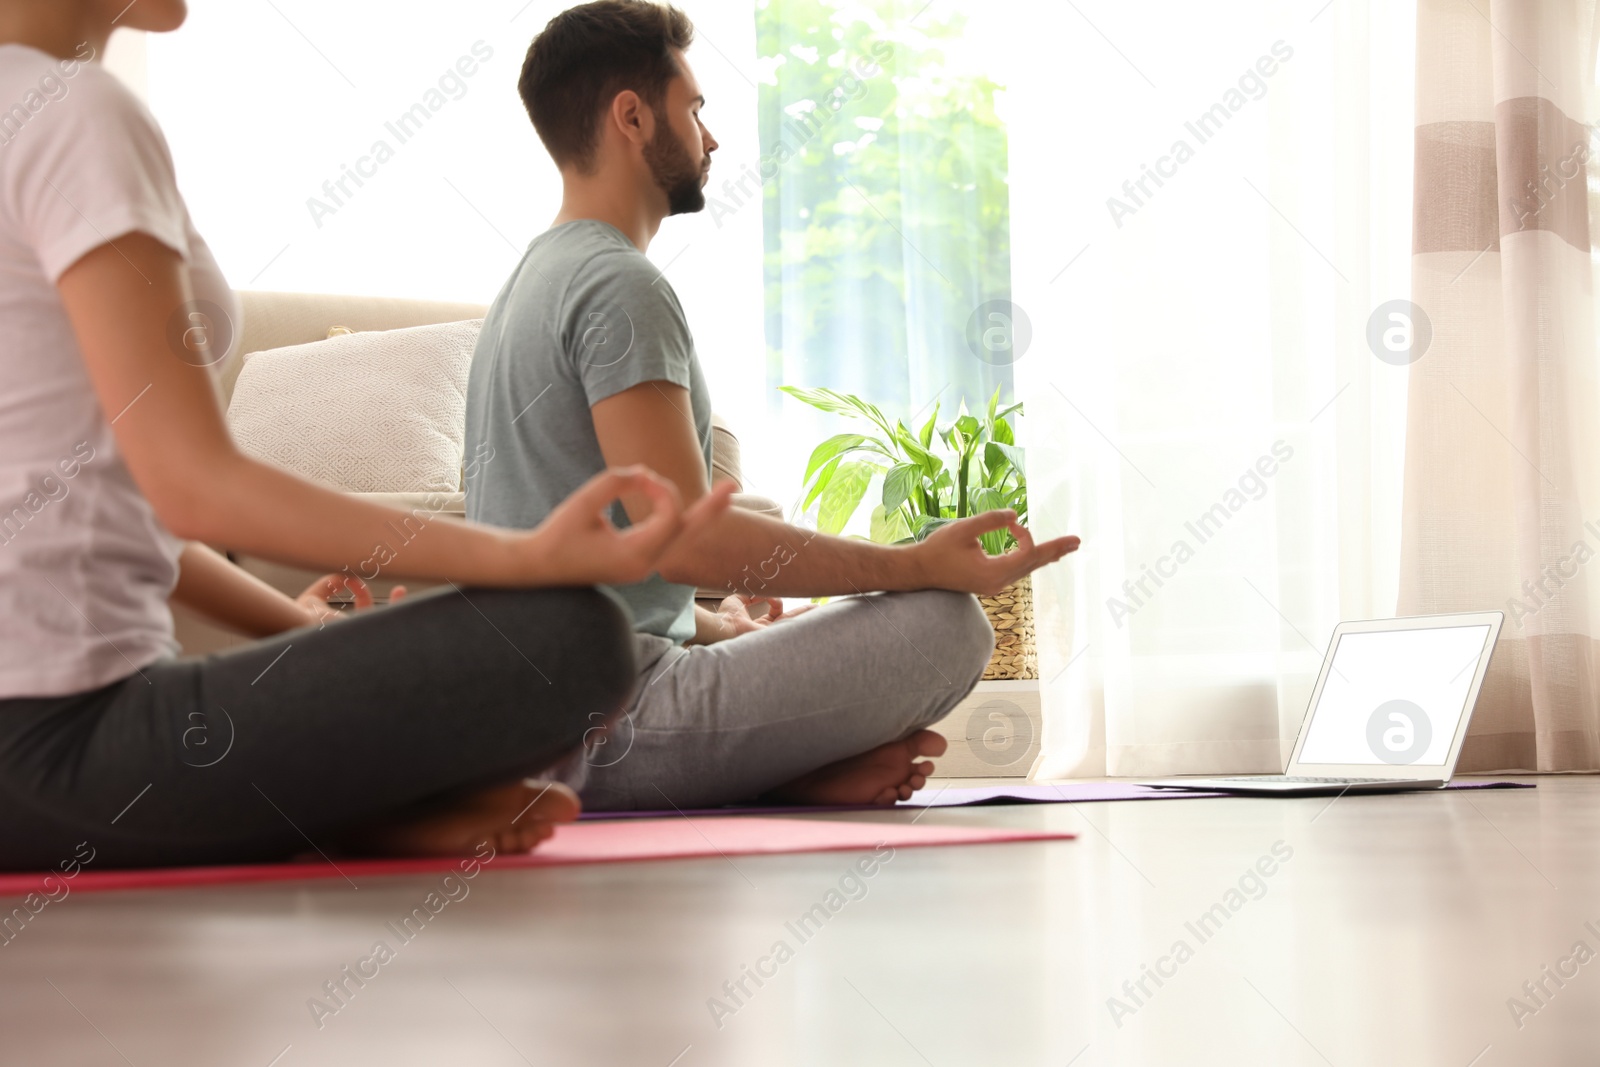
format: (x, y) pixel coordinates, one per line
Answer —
(1432, 669)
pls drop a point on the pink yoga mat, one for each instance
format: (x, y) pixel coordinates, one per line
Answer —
(621, 841)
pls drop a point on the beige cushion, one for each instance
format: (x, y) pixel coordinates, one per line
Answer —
(377, 412)
(725, 462)
(277, 320)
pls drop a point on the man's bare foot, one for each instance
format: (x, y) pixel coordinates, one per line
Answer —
(512, 818)
(882, 775)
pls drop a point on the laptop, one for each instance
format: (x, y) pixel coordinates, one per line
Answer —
(1389, 711)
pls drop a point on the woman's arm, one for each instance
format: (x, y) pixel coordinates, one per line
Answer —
(232, 597)
(237, 600)
(169, 427)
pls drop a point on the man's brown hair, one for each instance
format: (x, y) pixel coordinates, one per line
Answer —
(585, 57)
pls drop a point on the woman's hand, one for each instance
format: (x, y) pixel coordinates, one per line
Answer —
(736, 612)
(577, 544)
(314, 601)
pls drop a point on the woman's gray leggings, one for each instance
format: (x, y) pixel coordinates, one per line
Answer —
(284, 745)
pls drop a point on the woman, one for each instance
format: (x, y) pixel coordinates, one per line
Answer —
(409, 729)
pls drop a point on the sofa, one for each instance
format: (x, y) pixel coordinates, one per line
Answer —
(277, 320)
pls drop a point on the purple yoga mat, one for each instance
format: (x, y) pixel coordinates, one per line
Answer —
(991, 795)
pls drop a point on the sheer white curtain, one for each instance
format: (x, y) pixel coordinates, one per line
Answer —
(333, 148)
(1204, 220)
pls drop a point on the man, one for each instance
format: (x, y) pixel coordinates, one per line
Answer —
(586, 361)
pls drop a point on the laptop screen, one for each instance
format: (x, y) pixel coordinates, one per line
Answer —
(1394, 696)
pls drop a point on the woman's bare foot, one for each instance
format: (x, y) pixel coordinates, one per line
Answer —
(882, 775)
(512, 818)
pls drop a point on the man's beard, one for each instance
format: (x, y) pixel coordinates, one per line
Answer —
(674, 172)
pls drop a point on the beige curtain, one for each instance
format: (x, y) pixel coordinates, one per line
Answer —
(1502, 466)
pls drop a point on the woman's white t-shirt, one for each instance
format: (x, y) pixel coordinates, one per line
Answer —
(85, 565)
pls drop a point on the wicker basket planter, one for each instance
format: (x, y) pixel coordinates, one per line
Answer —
(1010, 612)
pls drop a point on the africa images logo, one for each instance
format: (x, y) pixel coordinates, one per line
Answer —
(200, 333)
(1399, 332)
(1399, 732)
(607, 337)
(999, 332)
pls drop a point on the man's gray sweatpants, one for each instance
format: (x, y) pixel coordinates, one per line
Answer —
(724, 723)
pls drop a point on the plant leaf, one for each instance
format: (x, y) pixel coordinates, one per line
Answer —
(824, 476)
(1017, 500)
(835, 402)
(926, 434)
(926, 524)
(995, 465)
(843, 495)
(930, 463)
(871, 411)
(822, 399)
(833, 446)
(889, 526)
(996, 542)
(984, 499)
(899, 485)
(997, 456)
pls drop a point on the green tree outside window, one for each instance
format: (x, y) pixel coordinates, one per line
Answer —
(885, 203)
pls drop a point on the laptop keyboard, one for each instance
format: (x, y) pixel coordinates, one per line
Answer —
(1300, 780)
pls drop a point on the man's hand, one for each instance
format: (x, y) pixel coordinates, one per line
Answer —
(953, 558)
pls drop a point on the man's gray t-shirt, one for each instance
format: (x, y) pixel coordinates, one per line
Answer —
(584, 316)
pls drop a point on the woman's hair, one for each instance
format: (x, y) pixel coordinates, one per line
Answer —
(589, 54)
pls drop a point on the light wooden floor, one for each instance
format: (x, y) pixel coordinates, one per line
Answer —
(1395, 933)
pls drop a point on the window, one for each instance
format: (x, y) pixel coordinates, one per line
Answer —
(886, 207)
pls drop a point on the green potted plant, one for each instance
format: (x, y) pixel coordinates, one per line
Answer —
(930, 477)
